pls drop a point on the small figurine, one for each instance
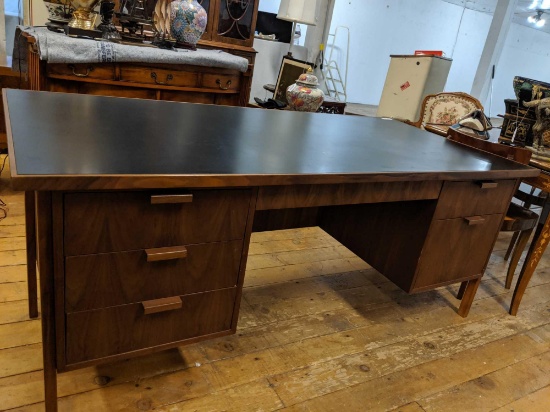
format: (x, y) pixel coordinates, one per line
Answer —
(108, 29)
(541, 128)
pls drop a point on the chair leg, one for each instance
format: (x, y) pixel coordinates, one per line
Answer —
(511, 245)
(520, 247)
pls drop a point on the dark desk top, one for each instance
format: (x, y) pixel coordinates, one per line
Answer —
(71, 141)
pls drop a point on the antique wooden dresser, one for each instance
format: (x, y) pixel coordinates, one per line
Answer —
(227, 31)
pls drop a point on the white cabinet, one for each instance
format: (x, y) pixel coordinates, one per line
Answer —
(409, 80)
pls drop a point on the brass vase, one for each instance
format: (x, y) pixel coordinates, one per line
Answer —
(83, 17)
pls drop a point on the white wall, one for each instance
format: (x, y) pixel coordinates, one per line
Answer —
(383, 27)
(39, 13)
(526, 53)
(270, 6)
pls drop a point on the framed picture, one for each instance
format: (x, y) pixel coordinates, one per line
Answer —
(289, 72)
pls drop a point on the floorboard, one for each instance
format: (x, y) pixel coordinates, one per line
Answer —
(319, 330)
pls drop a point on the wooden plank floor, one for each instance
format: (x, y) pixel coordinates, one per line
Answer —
(319, 331)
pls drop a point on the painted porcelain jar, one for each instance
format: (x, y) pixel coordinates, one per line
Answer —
(304, 96)
(187, 22)
(59, 11)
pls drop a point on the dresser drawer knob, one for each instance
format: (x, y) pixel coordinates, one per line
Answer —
(166, 253)
(487, 185)
(161, 305)
(474, 220)
(163, 199)
(227, 84)
(86, 74)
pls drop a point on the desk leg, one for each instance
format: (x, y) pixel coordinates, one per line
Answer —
(30, 229)
(47, 303)
(461, 290)
(468, 297)
(531, 261)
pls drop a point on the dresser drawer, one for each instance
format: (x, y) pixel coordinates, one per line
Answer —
(470, 198)
(225, 82)
(111, 279)
(455, 249)
(158, 76)
(82, 71)
(122, 221)
(105, 332)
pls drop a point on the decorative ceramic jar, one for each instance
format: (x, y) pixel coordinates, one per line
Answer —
(59, 11)
(304, 96)
(187, 22)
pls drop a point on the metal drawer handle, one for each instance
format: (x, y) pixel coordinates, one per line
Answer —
(161, 305)
(487, 185)
(163, 199)
(166, 253)
(474, 220)
(168, 78)
(219, 83)
(89, 69)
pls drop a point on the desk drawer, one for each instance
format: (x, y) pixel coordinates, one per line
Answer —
(455, 249)
(111, 279)
(82, 71)
(470, 198)
(105, 332)
(120, 221)
(158, 76)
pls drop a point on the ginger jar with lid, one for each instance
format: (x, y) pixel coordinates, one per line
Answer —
(304, 95)
(187, 22)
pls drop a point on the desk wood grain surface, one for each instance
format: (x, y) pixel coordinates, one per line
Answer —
(68, 141)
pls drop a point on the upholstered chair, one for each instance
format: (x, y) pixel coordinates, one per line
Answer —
(439, 111)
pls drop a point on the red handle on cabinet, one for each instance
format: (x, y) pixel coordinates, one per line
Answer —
(161, 305)
(474, 220)
(166, 253)
(163, 199)
(487, 185)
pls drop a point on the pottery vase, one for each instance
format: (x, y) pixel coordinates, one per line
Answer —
(187, 22)
(59, 11)
(304, 95)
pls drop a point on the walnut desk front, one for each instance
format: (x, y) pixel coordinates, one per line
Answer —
(144, 211)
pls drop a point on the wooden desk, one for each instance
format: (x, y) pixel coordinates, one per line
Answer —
(144, 211)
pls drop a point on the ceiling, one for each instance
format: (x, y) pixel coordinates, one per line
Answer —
(520, 15)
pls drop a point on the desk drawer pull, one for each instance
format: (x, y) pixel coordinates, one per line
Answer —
(227, 84)
(474, 220)
(487, 185)
(168, 78)
(161, 305)
(163, 199)
(166, 253)
(88, 70)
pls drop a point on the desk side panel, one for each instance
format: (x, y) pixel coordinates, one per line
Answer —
(388, 236)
